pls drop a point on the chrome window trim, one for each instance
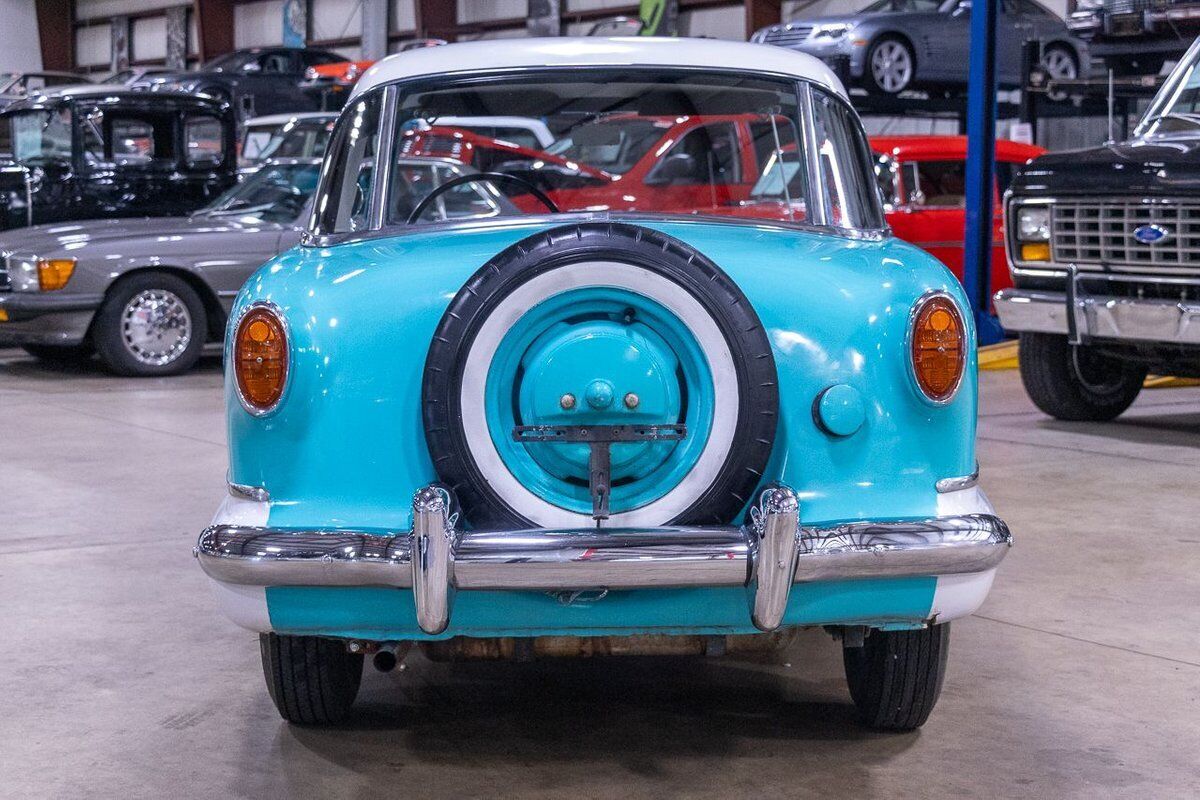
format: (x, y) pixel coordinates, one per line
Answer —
(287, 372)
(383, 168)
(917, 305)
(804, 87)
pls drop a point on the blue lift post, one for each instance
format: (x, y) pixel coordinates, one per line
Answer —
(981, 167)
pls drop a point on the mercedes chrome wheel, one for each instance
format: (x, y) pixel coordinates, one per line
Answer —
(150, 324)
(156, 327)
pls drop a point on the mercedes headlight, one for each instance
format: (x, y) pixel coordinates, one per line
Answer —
(32, 274)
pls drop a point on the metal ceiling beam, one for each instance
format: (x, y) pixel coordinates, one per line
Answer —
(56, 33)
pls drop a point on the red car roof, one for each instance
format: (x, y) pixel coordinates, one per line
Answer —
(951, 147)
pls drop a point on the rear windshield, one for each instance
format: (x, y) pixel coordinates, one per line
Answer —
(662, 142)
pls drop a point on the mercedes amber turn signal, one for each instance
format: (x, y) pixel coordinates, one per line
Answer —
(939, 347)
(260, 359)
(53, 273)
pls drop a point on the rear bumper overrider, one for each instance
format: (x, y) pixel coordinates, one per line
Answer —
(767, 555)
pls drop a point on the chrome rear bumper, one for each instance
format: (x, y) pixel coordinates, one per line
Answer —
(1099, 317)
(767, 554)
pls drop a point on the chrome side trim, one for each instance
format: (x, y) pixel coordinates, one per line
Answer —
(245, 491)
(959, 483)
(768, 555)
(1100, 317)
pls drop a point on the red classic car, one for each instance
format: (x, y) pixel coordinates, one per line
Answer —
(624, 162)
(923, 179)
(724, 165)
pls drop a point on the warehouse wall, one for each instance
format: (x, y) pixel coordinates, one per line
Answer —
(19, 47)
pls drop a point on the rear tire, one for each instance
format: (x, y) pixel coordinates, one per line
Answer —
(312, 681)
(59, 353)
(129, 350)
(1077, 384)
(895, 678)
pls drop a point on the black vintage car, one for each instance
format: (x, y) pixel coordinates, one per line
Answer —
(101, 151)
(256, 81)
(1104, 246)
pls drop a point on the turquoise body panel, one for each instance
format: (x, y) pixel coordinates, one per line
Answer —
(346, 448)
(382, 614)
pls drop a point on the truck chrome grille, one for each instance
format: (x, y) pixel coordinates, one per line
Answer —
(1100, 234)
(788, 35)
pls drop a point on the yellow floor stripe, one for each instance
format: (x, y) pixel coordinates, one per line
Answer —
(1168, 382)
(1004, 356)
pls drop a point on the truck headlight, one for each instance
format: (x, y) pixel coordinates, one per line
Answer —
(1033, 233)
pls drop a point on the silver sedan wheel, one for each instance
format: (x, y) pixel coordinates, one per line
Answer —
(1059, 65)
(892, 66)
(156, 327)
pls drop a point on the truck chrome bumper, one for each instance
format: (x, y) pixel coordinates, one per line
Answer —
(767, 554)
(1099, 317)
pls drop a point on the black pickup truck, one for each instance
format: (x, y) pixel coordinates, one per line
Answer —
(100, 151)
(1104, 248)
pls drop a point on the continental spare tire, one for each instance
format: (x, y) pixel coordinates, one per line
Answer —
(600, 324)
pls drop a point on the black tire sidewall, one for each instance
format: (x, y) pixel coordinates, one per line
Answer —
(106, 329)
(1053, 383)
(758, 397)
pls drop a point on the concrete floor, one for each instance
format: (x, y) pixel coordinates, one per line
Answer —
(1079, 678)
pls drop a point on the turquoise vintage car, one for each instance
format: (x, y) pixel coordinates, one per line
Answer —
(541, 427)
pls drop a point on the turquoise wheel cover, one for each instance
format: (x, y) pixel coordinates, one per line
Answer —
(599, 356)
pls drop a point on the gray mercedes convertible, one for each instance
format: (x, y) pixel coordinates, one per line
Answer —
(147, 295)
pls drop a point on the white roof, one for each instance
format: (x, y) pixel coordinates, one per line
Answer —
(585, 51)
(283, 119)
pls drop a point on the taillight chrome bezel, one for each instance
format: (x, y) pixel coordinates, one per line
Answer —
(232, 356)
(913, 315)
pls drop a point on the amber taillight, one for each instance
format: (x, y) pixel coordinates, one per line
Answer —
(260, 358)
(939, 347)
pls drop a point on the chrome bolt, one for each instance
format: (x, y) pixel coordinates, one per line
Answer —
(567, 401)
(355, 647)
(631, 401)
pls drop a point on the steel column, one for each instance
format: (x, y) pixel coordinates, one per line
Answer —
(981, 166)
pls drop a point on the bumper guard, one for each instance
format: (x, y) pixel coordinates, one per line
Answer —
(767, 555)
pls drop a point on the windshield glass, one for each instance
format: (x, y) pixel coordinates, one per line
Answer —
(7, 79)
(613, 145)
(33, 136)
(119, 77)
(637, 140)
(276, 193)
(903, 5)
(1176, 107)
(230, 61)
